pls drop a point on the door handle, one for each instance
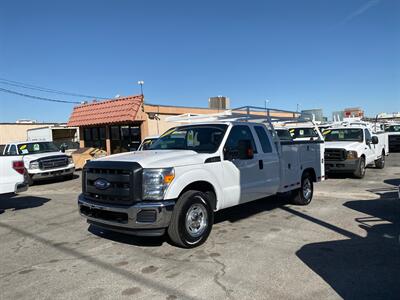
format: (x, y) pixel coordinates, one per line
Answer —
(261, 164)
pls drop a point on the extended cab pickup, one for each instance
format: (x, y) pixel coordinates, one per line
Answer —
(350, 149)
(190, 172)
(12, 175)
(42, 160)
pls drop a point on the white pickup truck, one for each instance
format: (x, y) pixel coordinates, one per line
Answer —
(190, 172)
(42, 159)
(12, 175)
(350, 148)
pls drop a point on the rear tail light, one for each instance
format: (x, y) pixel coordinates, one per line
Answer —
(19, 166)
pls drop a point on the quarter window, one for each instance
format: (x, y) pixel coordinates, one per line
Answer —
(264, 140)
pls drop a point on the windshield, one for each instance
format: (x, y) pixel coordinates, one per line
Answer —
(303, 133)
(146, 144)
(333, 135)
(393, 128)
(199, 138)
(38, 147)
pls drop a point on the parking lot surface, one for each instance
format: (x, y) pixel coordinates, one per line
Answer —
(345, 244)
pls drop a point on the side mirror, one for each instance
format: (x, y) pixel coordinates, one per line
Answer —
(374, 140)
(245, 149)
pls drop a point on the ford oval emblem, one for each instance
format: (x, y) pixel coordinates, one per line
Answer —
(101, 184)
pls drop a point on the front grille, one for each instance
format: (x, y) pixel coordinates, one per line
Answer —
(53, 162)
(123, 182)
(335, 154)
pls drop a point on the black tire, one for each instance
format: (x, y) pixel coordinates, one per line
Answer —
(380, 163)
(191, 202)
(360, 171)
(304, 194)
(69, 176)
(30, 180)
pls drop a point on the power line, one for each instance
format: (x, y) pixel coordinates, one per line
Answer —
(37, 97)
(43, 89)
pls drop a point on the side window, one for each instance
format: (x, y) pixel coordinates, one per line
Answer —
(368, 136)
(239, 132)
(12, 150)
(264, 140)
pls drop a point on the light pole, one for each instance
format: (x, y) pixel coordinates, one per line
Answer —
(141, 82)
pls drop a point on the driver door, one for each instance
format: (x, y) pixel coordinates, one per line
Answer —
(242, 177)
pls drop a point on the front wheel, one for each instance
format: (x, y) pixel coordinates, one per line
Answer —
(304, 194)
(360, 171)
(191, 220)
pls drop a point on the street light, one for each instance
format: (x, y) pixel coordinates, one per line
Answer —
(141, 82)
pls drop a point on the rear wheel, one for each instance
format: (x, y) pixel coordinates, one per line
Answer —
(191, 220)
(380, 163)
(360, 171)
(303, 196)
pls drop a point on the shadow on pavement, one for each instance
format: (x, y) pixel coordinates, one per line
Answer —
(362, 267)
(126, 238)
(55, 180)
(17, 203)
(243, 211)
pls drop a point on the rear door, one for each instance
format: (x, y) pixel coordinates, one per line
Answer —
(369, 147)
(243, 178)
(268, 160)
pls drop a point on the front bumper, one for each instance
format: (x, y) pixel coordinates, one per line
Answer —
(341, 165)
(143, 218)
(52, 173)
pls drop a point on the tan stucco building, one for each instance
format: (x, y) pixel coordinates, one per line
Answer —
(15, 132)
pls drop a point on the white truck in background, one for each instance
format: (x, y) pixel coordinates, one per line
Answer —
(12, 175)
(351, 147)
(42, 160)
(192, 171)
(62, 136)
(393, 132)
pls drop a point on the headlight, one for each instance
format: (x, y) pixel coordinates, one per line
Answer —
(352, 155)
(156, 182)
(70, 160)
(34, 165)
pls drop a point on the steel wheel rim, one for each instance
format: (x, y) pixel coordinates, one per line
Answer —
(196, 220)
(307, 190)
(362, 167)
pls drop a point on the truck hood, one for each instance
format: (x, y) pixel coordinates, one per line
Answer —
(160, 158)
(348, 145)
(31, 157)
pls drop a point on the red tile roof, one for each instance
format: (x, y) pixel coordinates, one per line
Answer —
(106, 112)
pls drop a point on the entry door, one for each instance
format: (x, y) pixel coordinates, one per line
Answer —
(242, 177)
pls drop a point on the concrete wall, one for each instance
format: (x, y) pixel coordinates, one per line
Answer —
(12, 132)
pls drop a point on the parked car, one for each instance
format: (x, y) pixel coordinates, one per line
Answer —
(350, 148)
(192, 171)
(12, 175)
(42, 160)
(147, 142)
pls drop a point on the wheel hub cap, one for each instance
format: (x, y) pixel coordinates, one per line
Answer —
(307, 189)
(196, 220)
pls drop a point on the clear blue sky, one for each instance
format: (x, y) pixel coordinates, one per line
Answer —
(320, 54)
